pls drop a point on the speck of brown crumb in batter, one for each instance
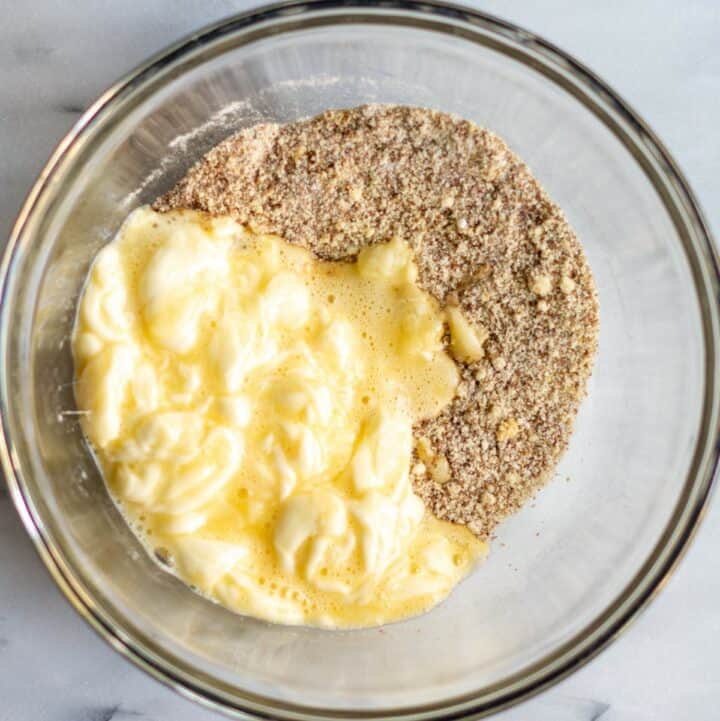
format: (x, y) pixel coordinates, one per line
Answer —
(486, 238)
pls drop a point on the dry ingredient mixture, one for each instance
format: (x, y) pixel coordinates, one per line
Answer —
(486, 238)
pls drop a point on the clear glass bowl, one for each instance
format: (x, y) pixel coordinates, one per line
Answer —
(568, 572)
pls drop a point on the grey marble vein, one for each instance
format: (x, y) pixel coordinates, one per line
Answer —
(29, 53)
(70, 108)
(116, 712)
(598, 711)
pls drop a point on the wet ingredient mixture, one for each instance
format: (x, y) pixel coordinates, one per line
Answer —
(252, 410)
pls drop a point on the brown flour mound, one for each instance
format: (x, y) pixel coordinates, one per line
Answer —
(486, 237)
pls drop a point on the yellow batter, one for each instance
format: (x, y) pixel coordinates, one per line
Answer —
(251, 408)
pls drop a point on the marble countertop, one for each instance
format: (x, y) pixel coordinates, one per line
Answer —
(56, 57)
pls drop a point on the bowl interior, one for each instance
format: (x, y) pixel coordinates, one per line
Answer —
(558, 568)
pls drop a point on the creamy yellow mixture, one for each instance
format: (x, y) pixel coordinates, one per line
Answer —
(251, 408)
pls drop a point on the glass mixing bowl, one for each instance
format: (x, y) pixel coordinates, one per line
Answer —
(569, 571)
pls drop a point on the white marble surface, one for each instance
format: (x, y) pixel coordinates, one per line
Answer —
(55, 57)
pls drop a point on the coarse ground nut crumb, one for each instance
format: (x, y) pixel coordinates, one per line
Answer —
(486, 238)
(541, 285)
(507, 429)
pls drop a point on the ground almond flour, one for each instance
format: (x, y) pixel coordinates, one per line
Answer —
(487, 239)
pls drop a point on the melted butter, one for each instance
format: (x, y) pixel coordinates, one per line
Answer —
(251, 408)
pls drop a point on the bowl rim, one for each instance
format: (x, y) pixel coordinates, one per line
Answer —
(660, 169)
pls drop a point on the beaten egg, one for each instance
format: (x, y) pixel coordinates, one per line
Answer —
(252, 408)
